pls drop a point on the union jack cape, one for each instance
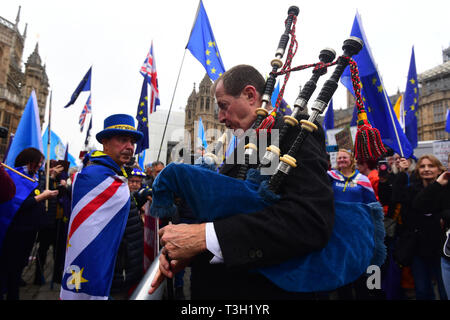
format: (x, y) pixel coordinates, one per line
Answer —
(100, 207)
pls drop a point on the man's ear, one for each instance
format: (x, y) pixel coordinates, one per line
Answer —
(249, 92)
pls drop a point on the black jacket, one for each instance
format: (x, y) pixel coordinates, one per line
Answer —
(419, 213)
(129, 267)
(435, 200)
(299, 223)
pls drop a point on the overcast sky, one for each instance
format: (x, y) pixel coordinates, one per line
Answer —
(115, 36)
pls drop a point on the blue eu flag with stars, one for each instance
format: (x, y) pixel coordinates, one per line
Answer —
(203, 46)
(142, 117)
(378, 107)
(411, 102)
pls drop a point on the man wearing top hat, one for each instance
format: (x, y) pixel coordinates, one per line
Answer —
(100, 207)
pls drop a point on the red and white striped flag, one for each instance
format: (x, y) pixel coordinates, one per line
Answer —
(149, 68)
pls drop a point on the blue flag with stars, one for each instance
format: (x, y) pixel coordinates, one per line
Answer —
(142, 117)
(84, 85)
(203, 46)
(376, 101)
(411, 102)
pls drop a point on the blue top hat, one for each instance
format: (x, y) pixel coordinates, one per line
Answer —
(119, 124)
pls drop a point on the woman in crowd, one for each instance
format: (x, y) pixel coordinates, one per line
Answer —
(349, 185)
(421, 217)
(21, 233)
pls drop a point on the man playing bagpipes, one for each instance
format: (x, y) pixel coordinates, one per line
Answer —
(224, 254)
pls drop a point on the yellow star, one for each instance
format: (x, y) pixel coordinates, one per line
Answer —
(207, 52)
(415, 100)
(146, 98)
(208, 62)
(369, 109)
(374, 80)
(380, 88)
(213, 70)
(217, 53)
(141, 112)
(220, 74)
(210, 44)
(412, 108)
(415, 90)
(412, 81)
(144, 119)
(77, 279)
(142, 104)
(404, 113)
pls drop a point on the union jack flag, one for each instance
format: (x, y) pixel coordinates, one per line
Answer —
(86, 109)
(100, 208)
(149, 68)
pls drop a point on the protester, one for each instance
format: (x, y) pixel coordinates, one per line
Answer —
(349, 185)
(7, 185)
(21, 232)
(421, 239)
(148, 179)
(299, 223)
(369, 169)
(96, 227)
(129, 267)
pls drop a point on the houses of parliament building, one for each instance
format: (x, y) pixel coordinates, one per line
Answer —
(17, 84)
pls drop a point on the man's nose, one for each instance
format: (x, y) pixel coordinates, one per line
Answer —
(221, 116)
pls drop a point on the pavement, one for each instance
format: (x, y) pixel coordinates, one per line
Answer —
(50, 291)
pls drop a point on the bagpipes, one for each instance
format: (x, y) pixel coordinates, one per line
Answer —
(357, 238)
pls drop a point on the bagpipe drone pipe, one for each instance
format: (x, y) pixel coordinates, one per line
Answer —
(358, 233)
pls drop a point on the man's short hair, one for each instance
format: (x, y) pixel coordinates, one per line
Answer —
(157, 163)
(235, 79)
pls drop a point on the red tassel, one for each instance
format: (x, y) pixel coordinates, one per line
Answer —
(267, 124)
(368, 144)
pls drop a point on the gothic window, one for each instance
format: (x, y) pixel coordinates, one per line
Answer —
(189, 114)
(438, 112)
(201, 103)
(207, 104)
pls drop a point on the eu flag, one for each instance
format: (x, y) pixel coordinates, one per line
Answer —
(85, 85)
(203, 46)
(328, 122)
(284, 109)
(411, 103)
(142, 117)
(377, 104)
(28, 133)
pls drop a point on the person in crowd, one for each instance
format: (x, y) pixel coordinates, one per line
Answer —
(7, 185)
(47, 227)
(300, 222)
(350, 185)
(157, 167)
(421, 219)
(129, 267)
(21, 233)
(435, 200)
(100, 191)
(369, 169)
(148, 179)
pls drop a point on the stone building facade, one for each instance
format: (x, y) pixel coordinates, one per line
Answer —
(434, 101)
(202, 104)
(16, 85)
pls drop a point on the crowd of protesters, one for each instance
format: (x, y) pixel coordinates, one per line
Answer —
(414, 194)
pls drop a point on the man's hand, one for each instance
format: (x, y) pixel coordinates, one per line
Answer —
(165, 272)
(183, 241)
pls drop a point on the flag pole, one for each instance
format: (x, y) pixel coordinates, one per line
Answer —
(171, 103)
(47, 176)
